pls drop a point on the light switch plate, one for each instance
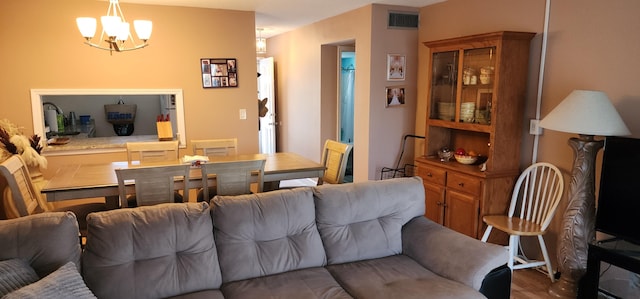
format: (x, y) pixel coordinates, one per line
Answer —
(243, 113)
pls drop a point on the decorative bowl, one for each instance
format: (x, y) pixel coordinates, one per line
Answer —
(466, 159)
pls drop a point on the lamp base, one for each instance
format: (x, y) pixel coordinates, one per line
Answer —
(578, 222)
(564, 288)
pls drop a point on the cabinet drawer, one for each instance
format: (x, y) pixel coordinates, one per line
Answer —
(464, 183)
(432, 175)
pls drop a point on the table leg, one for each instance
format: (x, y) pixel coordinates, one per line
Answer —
(270, 186)
(112, 202)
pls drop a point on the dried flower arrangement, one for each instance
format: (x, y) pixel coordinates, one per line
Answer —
(13, 142)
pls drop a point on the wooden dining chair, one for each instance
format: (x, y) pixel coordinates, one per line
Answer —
(534, 201)
(22, 198)
(153, 185)
(334, 158)
(234, 177)
(152, 151)
(215, 147)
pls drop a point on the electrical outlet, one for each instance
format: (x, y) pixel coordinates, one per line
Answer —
(534, 127)
(243, 113)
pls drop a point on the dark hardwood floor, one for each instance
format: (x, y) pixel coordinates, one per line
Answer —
(529, 284)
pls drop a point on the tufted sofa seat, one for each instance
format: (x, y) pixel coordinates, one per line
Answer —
(360, 240)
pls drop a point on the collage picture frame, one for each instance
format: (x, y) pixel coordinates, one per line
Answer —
(219, 72)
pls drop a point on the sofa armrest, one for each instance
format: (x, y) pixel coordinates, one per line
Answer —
(451, 254)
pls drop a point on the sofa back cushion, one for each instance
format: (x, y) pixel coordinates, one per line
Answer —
(45, 241)
(266, 233)
(151, 252)
(364, 220)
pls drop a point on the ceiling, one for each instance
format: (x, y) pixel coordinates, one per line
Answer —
(279, 16)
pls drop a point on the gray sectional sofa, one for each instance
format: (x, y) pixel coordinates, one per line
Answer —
(360, 240)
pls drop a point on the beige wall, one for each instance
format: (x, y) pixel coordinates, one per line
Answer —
(42, 48)
(591, 45)
(302, 86)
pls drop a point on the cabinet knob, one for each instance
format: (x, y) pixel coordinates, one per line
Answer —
(461, 184)
(429, 174)
(438, 203)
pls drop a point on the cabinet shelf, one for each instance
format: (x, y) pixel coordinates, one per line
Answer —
(460, 125)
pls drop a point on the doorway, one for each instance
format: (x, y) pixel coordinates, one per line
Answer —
(267, 106)
(346, 98)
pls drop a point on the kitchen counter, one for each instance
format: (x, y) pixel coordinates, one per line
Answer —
(80, 144)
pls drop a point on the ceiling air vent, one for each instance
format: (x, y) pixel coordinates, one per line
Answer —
(403, 20)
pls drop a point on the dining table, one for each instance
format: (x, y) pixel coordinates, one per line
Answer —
(91, 180)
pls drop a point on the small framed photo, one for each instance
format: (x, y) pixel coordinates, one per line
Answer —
(219, 72)
(396, 67)
(395, 96)
(484, 97)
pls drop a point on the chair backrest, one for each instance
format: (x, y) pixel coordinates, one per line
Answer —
(215, 147)
(334, 158)
(153, 185)
(23, 200)
(537, 194)
(234, 177)
(152, 151)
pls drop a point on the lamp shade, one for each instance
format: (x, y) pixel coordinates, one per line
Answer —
(111, 25)
(586, 112)
(87, 26)
(143, 29)
(123, 32)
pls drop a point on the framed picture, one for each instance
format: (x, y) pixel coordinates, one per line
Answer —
(219, 72)
(395, 96)
(483, 106)
(396, 67)
(484, 97)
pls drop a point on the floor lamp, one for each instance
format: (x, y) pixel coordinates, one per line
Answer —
(588, 114)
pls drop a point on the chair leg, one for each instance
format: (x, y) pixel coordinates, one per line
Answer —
(543, 248)
(486, 233)
(513, 249)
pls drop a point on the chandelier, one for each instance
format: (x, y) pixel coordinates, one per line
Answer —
(115, 30)
(261, 42)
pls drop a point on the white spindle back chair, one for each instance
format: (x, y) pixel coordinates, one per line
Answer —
(534, 201)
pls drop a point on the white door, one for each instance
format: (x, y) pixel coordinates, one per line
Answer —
(267, 134)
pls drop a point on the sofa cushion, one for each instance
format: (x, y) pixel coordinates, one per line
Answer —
(63, 283)
(397, 277)
(14, 274)
(266, 233)
(46, 241)
(310, 283)
(364, 220)
(151, 252)
(206, 294)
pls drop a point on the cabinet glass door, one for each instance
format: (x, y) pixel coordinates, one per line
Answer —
(478, 71)
(444, 85)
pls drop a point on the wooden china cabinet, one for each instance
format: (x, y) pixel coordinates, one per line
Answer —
(476, 102)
